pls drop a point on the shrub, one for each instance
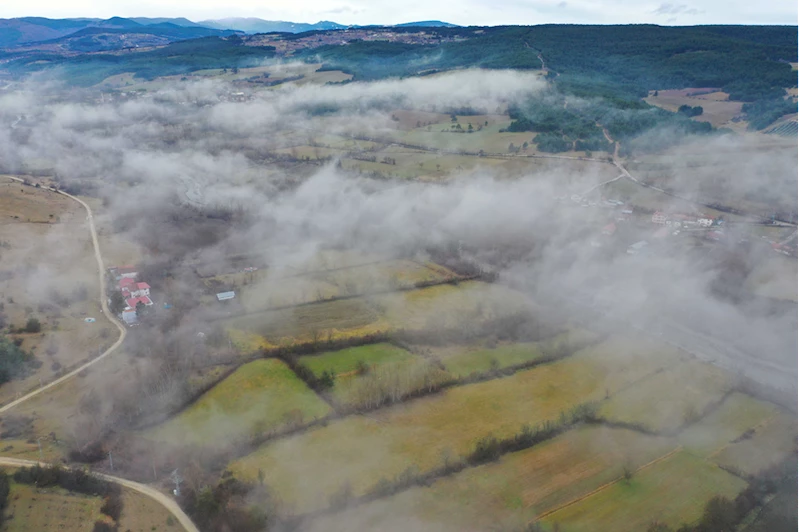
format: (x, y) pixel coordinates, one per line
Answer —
(112, 507)
(102, 526)
(33, 325)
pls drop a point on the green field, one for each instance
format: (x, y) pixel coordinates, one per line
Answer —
(259, 396)
(346, 360)
(673, 491)
(737, 414)
(769, 444)
(670, 398)
(361, 450)
(513, 490)
(390, 370)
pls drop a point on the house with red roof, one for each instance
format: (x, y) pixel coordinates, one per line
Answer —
(126, 283)
(659, 218)
(140, 290)
(134, 301)
(123, 272)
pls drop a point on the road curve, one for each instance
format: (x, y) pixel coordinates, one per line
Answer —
(154, 494)
(166, 501)
(103, 303)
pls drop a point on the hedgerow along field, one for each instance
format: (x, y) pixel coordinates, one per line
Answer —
(513, 490)
(259, 396)
(366, 376)
(359, 451)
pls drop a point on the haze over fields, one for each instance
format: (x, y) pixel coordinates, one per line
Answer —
(466, 300)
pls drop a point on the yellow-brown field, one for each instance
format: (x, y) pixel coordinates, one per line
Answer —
(673, 491)
(513, 490)
(770, 443)
(717, 109)
(667, 400)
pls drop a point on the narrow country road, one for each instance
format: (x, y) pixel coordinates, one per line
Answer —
(103, 303)
(164, 500)
(167, 502)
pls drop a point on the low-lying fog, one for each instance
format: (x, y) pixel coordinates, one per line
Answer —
(151, 156)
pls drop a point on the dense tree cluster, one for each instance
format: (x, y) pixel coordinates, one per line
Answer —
(14, 362)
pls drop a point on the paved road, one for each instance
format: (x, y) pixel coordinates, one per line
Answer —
(103, 302)
(167, 502)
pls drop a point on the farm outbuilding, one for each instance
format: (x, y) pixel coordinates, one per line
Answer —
(224, 296)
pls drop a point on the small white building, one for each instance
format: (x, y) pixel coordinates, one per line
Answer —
(705, 222)
(129, 316)
(637, 248)
(225, 296)
(659, 218)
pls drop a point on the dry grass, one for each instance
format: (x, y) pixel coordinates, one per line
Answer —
(50, 509)
(737, 414)
(512, 491)
(769, 444)
(263, 289)
(46, 262)
(670, 398)
(718, 110)
(774, 276)
(673, 492)
(449, 305)
(25, 204)
(335, 319)
(141, 514)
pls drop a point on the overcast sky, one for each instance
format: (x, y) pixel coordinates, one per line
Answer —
(464, 12)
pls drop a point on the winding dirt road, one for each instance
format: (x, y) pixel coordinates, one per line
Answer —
(103, 302)
(167, 502)
(164, 500)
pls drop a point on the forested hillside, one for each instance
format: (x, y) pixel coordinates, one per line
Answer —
(177, 58)
(619, 63)
(750, 63)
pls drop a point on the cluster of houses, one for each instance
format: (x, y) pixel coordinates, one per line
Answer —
(133, 290)
(682, 220)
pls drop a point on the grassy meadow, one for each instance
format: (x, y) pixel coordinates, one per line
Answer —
(345, 362)
(771, 442)
(259, 396)
(673, 491)
(735, 416)
(420, 432)
(670, 398)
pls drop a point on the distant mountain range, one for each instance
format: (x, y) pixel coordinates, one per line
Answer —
(97, 34)
(29, 30)
(257, 25)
